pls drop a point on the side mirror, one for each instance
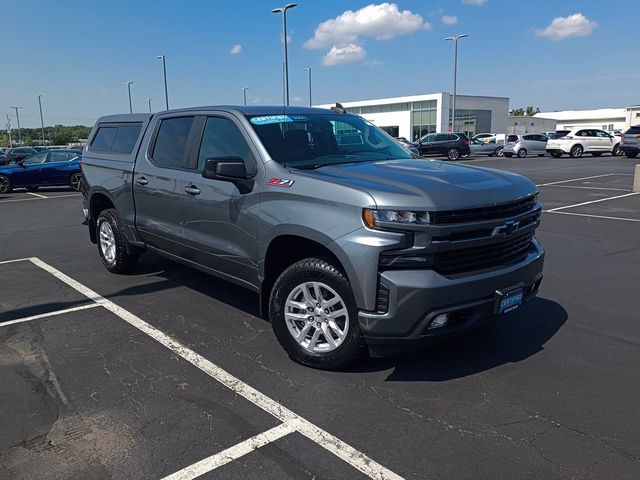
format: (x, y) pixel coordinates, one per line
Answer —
(225, 168)
(229, 169)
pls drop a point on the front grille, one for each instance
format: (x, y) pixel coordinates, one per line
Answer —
(485, 213)
(487, 256)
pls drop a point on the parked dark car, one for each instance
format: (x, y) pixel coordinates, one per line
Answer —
(12, 155)
(44, 169)
(451, 145)
(631, 142)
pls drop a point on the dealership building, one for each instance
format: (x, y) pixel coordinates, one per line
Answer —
(414, 116)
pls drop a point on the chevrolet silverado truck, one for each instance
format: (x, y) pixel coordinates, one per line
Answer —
(352, 243)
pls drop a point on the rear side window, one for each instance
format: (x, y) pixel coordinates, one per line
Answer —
(116, 138)
(633, 130)
(171, 142)
(512, 138)
(442, 137)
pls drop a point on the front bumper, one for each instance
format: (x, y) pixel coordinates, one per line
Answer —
(417, 297)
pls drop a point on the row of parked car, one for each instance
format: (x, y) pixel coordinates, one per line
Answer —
(35, 167)
(574, 143)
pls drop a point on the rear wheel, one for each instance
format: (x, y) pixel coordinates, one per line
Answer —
(5, 185)
(112, 245)
(628, 154)
(314, 316)
(617, 151)
(499, 152)
(522, 153)
(75, 181)
(576, 151)
(453, 154)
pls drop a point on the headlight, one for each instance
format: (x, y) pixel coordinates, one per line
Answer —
(374, 218)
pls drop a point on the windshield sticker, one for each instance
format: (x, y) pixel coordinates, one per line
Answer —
(269, 119)
(280, 182)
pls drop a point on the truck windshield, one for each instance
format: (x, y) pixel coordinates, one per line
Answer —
(314, 140)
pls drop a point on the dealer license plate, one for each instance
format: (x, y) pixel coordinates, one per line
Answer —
(509, 301)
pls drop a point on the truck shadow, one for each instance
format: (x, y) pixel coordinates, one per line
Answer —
(508, 339)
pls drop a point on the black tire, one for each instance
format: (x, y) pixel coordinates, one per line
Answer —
(522, 153)
(631, 154)
(352, 347)
(556, 154)
(499, 152)
(453, 154)
(5, 185)
(617, 151)
(122, 261)
(576, 151)
(75, 181)
(596, 154)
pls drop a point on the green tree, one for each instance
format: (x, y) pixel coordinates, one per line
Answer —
(521, 112)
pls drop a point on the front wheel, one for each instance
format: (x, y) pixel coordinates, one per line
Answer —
(576, 151)
(5, 184)
(76, 181)
(112, 245)
(314, 316)
(499, 152)
(522, 153)
(453, 154)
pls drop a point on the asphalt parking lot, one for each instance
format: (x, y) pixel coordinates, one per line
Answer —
(170, 373)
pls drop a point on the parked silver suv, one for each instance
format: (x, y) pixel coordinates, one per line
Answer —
(523, 145)
(631, 142)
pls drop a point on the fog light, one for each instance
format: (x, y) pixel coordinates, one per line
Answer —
(439, 321)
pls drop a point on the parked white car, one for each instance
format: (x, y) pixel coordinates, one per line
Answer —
(586, 140)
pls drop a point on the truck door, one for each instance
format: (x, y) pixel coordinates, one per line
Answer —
(220, 220)
(158, 183)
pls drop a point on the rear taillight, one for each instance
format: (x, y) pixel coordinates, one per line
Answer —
(466, 142)
(637, 137)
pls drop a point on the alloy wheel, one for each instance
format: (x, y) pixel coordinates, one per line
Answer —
(4, 184)
(76, 181)
(107, 242)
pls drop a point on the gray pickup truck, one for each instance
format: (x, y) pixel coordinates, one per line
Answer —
(352, 243)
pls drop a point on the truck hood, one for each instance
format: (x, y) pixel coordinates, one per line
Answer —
(426, 184)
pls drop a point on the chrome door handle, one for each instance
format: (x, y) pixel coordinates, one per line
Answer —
(192, 190)
(142, 181)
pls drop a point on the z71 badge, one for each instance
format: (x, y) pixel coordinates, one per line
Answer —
(280, 182)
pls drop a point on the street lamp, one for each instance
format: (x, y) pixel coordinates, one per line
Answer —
(41, 119)
(244, 95)
(128, 84)
(455, 74)
(149, 100)
(164, 70)
(18, 118)
(283, 10)
(308, 69)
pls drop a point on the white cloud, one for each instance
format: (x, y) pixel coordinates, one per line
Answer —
(477, 3)
(576, 25)
(382, 22)
(236, 49)
(350, 53)
(449, 20)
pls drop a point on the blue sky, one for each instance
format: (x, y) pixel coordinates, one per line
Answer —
(79, 54)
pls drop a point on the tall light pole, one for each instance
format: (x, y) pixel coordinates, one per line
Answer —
(129, 90)
(41, 119)
(18, 118)
(283, 11)
(455, 75)
(149, 100)
(244, 95)
(308, 70)
(164, 71)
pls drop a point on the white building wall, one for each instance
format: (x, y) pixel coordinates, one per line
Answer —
(499, 107)
(603, 118)
(520, 125)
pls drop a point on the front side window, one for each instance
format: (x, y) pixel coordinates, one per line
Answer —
(171, 142)
(221, 139)
(324, 139)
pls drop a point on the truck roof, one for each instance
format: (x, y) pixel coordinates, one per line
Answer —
(241, 109)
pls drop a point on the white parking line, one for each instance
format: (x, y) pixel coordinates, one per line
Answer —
(232, 453)
(39, 197)
(49, 314)
(595, 216)
(15, 260)
(36, 195)
(342, 450)
(576, 179)
(552, 210)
